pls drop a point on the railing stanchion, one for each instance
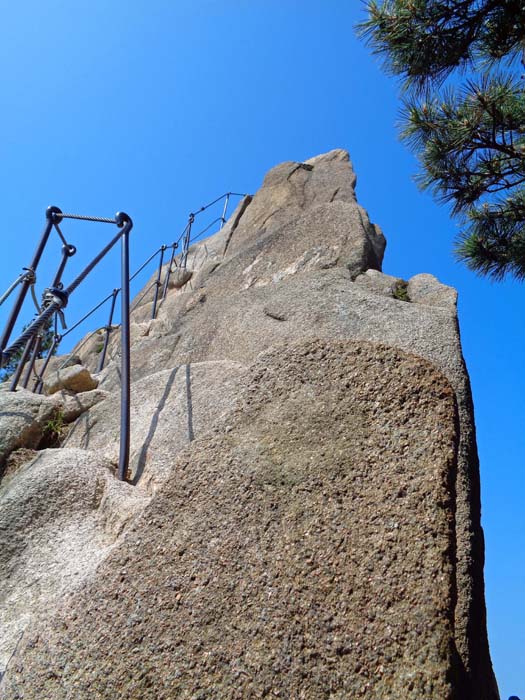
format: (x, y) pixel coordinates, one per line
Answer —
(157, 282)
(36, 349)
(125, 222)
(39, 381)
(186, 242)
(55, 299)
(109, 328)
(174, 247)
(21, 364)
(51, 214)
(67, 252)
(223, 217)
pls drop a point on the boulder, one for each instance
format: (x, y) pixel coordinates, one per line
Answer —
(58, 362)
(179, 277)
(73, 405)
(67, 503)
(23, 417)
(76, 379)
(379, 283)
(426, 289)
(299, 545)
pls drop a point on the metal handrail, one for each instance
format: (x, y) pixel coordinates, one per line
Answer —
(56, 298)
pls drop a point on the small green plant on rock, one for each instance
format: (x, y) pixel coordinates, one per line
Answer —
(53, 430)
(400, 291)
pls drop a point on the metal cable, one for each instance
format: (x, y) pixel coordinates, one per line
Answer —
(12, 287)
(78, 280)
(35, 300)
(59, 303)
(27, 276)
(32, 330)
(180, 238)
(95, 308)
(197, 235)
(136, 304)
(226, 194)
(70, 354)
(81, 217)
(144, 264)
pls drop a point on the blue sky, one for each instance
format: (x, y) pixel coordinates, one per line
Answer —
(157, 107)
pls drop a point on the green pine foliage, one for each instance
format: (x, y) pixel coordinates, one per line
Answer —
(464, 114)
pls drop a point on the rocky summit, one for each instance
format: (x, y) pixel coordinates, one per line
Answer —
(301, 518)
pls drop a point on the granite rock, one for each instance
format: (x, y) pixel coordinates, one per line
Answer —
(22, 419)
(75, 378)
(59, 517)
(168, 409)
(321, 535)
(287, 555)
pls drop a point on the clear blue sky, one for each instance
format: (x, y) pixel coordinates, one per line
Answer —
(157, 107)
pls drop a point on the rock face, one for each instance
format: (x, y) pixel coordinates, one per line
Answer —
(304, 520)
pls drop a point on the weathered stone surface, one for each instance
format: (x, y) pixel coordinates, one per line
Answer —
(138, 330)
(90, 347)
(290, 189)
(179, 277)
(75, 378)
(16, 460)
(426, 289)
(305, 217)
(300, 550)
(167, 410)
(22, 419)
(55, 528)
(202, 326)
(235, 312)
(378, 282)
(73, 405)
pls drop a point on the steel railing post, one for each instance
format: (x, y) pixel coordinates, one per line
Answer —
(124, 221)
(174, 247)
(39, 381)
(67, 252)
(52, 213)
(21, 364)
(157, 282)
(186, 242)
(223, 217)
(34, 355)
(109, 328)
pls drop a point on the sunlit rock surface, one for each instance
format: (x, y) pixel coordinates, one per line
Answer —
(304, 520)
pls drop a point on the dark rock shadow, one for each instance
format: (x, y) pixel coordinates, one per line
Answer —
(191, 434)
(153, 427)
